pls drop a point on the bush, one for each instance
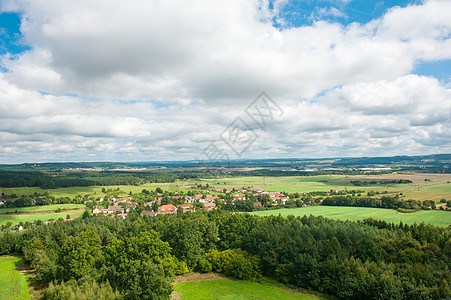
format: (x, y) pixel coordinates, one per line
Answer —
(87, 290)
(236, 263)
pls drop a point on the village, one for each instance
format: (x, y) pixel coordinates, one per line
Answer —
(120, 207)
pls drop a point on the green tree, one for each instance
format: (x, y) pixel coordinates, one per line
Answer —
(79, 254)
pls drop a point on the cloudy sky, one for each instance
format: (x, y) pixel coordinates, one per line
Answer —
(143, 80)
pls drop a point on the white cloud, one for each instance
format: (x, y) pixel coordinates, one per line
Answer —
(182, 71)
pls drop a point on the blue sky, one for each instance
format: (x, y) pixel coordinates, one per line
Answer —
(295, 13)
(10, 34)
(305, 12)
(89, 81)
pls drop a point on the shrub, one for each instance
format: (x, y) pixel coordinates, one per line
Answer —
(236, 263)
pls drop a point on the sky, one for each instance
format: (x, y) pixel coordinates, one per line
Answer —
(156, 80)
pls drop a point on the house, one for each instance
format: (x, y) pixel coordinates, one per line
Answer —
(167, 209)
(148, 213)
(122, 216)
(188, 199)
(240, 197)
(131, 206)
(115, 208)
(97, 210)
(124, 199)
(209, 206)
(187, 208)
(210, 198)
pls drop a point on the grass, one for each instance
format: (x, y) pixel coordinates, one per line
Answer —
(13, 283)
(43, 213)
(234, 289)
(436, 189)
(42, 208)
(433, 217)
(95, 191)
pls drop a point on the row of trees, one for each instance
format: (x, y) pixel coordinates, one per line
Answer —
(383, 202)
(137, 258)
(52, 180)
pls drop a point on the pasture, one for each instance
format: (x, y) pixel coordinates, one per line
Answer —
(234, 289)
(95, 191)
(13, 283)
(423, 187)
(433, 217)
(43, 213)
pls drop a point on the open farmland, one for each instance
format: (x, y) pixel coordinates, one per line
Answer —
(436, 186)
(95, 191)
(423, 187)
(234, 289)
(13, 283)
(43, 213)
(433, 217)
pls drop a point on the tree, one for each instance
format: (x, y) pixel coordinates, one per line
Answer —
(79, 254)
(147, 280)
(127, 257)
(85, 215)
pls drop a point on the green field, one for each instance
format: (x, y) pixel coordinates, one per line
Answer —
(13, 284)
(43, 213)
(434, 217)
(40, 208)
(234, 289)
(436, 187)
(95, 191)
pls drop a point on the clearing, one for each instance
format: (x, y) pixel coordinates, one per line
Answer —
(43, 213)
(433, 217)
(13, 281)
(215, 286)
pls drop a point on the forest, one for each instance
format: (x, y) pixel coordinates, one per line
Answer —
(139, 257)
(53, 180)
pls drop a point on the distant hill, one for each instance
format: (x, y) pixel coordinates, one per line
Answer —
(434, 162)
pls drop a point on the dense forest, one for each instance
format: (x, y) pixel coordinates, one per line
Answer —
(52, 180)
(383, 202)
(137, 258)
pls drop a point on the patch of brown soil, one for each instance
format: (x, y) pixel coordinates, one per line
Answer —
(194, 276)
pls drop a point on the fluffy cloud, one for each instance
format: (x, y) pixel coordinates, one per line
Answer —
(211, 51)
(162, 79)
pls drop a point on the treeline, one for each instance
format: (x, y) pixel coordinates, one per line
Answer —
(54, 180)
(383, 202)
(137, 258)
(281, 173)
(373, 182)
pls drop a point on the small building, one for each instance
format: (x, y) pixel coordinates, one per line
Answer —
(121, 216)
(167, 209)
(148, 213)
(209, 206)
(187, 208)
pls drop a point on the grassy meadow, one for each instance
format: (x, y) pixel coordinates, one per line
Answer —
(95, 191)
(433, 217)
(234, 289)
(13, 283)
(436, 186)
(43, 213)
